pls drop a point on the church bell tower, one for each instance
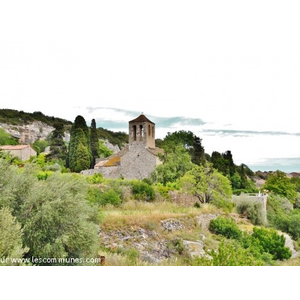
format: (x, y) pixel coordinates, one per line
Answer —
(142, 132)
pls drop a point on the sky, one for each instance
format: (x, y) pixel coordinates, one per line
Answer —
(229, 71)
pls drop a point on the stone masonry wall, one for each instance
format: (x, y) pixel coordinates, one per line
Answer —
(137, 163)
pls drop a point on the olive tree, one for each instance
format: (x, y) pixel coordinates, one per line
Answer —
(206, 183)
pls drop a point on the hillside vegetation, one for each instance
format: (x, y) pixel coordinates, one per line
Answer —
(195, 210)
(15, 117)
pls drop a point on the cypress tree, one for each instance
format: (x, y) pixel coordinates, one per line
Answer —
(95, 150)
(83, 158)
(79, 147)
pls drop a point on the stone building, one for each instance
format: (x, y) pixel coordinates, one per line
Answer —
(23, 152)
(139, 158)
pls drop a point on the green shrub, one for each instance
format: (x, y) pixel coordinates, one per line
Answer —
(53, 167)
(230, 253)
(226, 227)
(225, 205)
(95, 178)
(43, 175)
(271, 242)
(142, 191)
(252, 210)
(282, 216)
(6, 138)
(110, 196)
(293, 224)
(176, 245)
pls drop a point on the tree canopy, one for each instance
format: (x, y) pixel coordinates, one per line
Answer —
(206, 183)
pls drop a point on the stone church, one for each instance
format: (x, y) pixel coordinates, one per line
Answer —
(139, 158)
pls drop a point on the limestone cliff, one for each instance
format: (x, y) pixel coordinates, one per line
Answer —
(29, 133)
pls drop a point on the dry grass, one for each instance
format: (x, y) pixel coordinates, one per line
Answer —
(290, 262)
(144, 214)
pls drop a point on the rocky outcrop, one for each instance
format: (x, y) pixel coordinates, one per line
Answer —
(172, 225)
(204, 220)
(29, 133)
(110, 146)
(289, 243)
(154, 246)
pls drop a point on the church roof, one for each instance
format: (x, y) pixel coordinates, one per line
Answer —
(141, 118)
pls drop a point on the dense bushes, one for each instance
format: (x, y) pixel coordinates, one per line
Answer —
(271, 242)
(252, 210)
(282, 216)
(226, 227)
(7, 139)
(142, 190)
(109, 196)
(55, 218)
(263, 244)
(230, 253)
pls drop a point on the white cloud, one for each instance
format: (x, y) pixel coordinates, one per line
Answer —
(223, 62)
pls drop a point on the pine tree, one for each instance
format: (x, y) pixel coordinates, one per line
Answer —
(95, 150)
(198, 153)
(57, 145)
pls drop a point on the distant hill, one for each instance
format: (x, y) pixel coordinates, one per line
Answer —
(16, 121)
(15, 117)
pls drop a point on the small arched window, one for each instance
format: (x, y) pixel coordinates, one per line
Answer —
(134, 132)
(149, 130)
(141, 132)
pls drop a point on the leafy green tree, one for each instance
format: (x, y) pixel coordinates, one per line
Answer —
(94, 142)
(176, 162)
(79, 157)
(57, 220)
(229, 161)
(40, 146)
(223, 163)
(206, 183)
(281, 185)
(189, 141)
(219, 163)
(236, 181)
(11, 247)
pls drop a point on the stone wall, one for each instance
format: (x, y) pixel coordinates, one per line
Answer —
(137, 163)
(22, 152)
